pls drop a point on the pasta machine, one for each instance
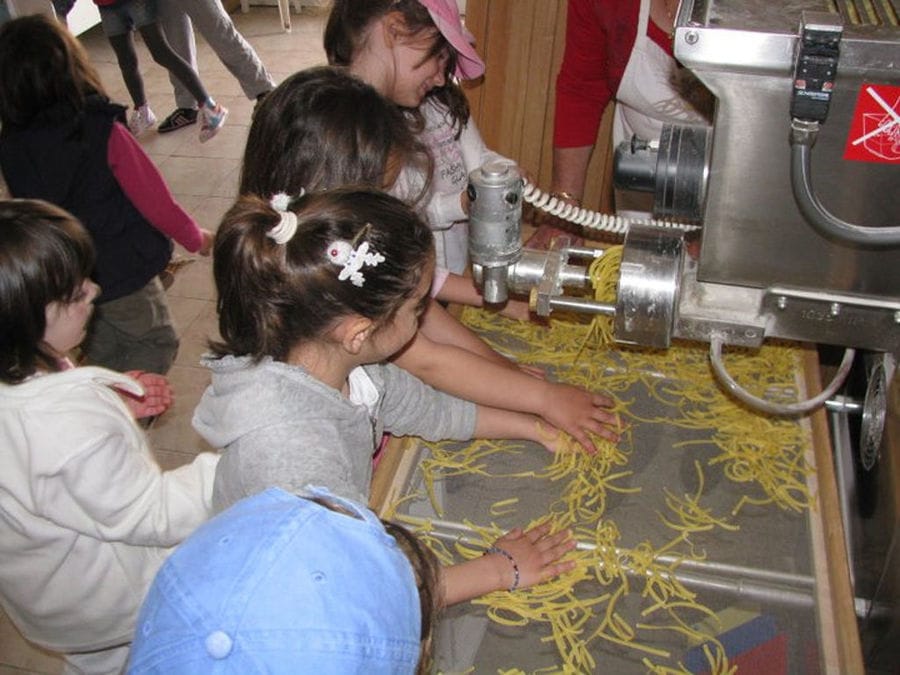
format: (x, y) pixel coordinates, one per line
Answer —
(780, 220)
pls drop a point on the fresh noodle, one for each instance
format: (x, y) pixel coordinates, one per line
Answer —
(763, 457)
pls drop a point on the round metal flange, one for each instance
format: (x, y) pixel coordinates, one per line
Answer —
(649, 281)
(873, 416)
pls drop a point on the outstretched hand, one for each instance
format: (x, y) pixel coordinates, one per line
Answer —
(206, 242)
(537, 554)
(579, 412)
(157, 394)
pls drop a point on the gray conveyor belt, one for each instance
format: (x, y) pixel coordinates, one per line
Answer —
(763, 568)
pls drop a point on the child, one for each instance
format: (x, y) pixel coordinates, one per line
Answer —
(410, 50)
(314, 295)
(335, 130)
(86, 515)
(306, 584)
(119, 19)
(300, 584)
(63, 141)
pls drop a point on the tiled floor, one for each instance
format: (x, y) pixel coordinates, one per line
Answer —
(204, 179)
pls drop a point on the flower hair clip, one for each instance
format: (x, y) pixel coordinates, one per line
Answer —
(287, 226)
(352, 260)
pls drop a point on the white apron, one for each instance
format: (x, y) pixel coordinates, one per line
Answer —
(653, 91)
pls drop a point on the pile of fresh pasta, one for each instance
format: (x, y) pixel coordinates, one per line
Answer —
(766, 459)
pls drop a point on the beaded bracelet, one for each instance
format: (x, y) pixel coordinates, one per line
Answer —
(508, 556)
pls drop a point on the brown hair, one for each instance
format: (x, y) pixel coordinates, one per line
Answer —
(45, 256)
(426, 570)
(346, 30)
(42, 66)
(273, 296)
(322, 128)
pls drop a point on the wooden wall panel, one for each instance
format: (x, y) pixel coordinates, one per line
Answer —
(522, 42)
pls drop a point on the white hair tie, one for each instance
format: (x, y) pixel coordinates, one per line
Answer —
(287, 226)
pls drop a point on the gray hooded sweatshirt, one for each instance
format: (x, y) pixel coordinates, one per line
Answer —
(281, 427)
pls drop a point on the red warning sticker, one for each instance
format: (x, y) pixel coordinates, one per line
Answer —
(875, 130)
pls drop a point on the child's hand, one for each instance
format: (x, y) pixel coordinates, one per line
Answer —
(536, 553)
(206, 242)
(516, 309)
(550, 437)
(578, 412)
(157, 395)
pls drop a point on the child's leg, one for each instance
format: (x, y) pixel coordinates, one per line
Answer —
(179, 32)
(118, 27)
(212, 115)
(239, 57)
(123, 46)
(134, 332)
(165, 56)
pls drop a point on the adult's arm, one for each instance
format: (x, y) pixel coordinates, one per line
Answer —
(584, 87)
(585, 83)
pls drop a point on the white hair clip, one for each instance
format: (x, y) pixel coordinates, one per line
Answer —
(352, 259)
(287, 226)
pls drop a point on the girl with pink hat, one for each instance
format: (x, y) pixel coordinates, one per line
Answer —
(413, 52)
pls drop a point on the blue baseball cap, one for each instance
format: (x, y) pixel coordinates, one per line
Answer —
(281, 584)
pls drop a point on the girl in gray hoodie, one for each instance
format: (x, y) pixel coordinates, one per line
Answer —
(315, 293)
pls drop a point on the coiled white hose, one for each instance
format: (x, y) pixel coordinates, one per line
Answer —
(592, 220)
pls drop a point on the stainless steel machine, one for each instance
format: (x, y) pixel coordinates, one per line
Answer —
(781, 220)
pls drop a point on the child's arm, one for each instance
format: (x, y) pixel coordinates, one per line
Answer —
(534, 557)
(497, 423)
(449, 207)
(467, 376)
(143, 184)
(441, 327)
(461, 290)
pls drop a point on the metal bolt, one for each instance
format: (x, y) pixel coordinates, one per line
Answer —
(782, 302)
(835, 309)
(692, 37)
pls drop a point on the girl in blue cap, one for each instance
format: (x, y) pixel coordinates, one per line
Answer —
(293, 585)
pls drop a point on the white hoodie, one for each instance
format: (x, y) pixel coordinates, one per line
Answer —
(86, 514)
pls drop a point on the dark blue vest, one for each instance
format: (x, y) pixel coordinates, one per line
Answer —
(62, 158)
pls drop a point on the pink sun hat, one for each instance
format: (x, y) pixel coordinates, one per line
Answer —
(445, 14)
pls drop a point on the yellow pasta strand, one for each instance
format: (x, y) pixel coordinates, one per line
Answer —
(763, 457)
